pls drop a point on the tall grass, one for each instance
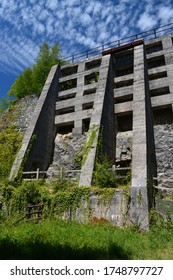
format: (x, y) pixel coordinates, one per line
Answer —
(68, 240)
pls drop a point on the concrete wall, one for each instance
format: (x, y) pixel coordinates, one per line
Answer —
(96, 209)
(42, 127)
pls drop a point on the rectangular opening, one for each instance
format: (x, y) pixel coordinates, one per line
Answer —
(156, 62)
(65, 110)
(156, 76)
(123, 59)
(87, 106)
(155, 47)
(124, 98)
(85, 125)
(125, 122)
(69, 70)
(92, 78)
(123, 72)
(163, 116)
(65, 128)
(68, 84)
(93, 64)
(89, 91)
(67, 96)
(124, 83)
(159, 91)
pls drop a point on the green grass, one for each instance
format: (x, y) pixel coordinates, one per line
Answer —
(52, 239)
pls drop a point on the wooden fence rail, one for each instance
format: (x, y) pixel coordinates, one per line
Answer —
(36, 174)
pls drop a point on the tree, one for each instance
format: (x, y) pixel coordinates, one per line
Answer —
(5, 102)
(23, 85)
(32, 80)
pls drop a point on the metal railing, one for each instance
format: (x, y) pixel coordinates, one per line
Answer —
(150, 34)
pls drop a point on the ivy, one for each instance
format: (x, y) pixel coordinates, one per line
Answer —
(82, 154)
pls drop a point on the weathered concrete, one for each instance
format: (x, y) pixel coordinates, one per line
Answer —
(141, 119)
(42, 127)
(100, 117)
(96, 209)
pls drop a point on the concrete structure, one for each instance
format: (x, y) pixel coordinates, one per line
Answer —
(125, 89)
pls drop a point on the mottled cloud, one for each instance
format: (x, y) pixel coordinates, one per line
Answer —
(76, 24)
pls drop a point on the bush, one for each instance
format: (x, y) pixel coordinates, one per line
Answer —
(10, 142)
(104, 176)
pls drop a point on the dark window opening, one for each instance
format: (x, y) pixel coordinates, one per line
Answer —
(156, 62)
(87, 106)
(85, 125)
(156, 76)
(159, 91)
(155, 47)
(69, 71)
(68, 84)
(123, 59)
(67, 110)
(124, 83)
(67, 96)
(89, 91)
(163, 116)
(65, 128)
(123, 72)
(125, 122)
(92, 64)
(124, 98)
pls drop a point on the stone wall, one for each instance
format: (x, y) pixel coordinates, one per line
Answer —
(164, 154)
(66, 147)
(99, 209)
(124, 148)
(24, 111)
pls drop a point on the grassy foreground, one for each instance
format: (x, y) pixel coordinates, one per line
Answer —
(52, 239)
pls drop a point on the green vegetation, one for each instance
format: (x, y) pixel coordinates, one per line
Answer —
(10, 142)
(104, 176)
(53, 239)
(31, 80)
(82, 154)
(5, 102)
(57, 201)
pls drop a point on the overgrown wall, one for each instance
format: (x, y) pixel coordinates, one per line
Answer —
(102, 205)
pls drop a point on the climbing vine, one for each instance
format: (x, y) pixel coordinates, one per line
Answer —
(82, 154)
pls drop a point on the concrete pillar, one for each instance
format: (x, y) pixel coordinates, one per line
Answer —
(168, 53)
(139, 195)
(42, 127)
(78, 107)
(88, 166)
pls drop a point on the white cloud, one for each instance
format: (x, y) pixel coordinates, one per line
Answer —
(24, 25)
(146, 21)
(165, 14)
(52, 4)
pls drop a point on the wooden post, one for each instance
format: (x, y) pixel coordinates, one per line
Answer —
(37, 175)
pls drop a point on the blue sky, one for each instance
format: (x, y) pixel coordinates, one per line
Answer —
(77, 25)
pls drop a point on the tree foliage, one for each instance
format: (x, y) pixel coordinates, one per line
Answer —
(5, 103)
(31, 80)
(10, 141)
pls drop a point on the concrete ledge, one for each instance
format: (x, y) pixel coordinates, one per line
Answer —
(160, 101)
(73, 116)
(124, 107)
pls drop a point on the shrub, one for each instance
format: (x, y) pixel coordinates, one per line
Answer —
(104, 176)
